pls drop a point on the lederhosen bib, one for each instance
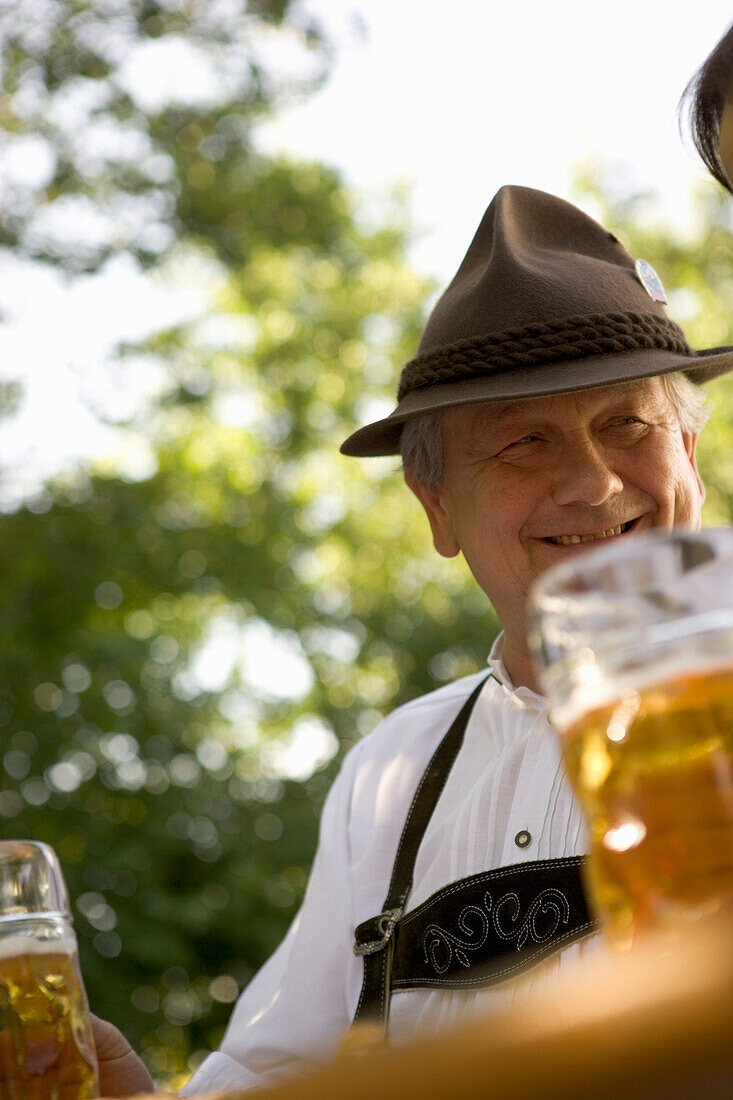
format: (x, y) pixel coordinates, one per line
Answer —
(475, 932)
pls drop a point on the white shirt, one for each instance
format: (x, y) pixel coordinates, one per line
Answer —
(506, 779)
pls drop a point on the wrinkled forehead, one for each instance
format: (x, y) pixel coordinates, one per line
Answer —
(489, 415)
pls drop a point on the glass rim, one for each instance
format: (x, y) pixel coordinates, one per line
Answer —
(22, 842)
(32, 884)
(557, 576)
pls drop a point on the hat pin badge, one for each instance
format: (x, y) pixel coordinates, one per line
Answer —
(651, 282)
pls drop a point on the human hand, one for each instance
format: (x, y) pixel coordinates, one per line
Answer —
(121, 1072)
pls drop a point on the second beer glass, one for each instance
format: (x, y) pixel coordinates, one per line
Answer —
(46, 1046)
(634, 646)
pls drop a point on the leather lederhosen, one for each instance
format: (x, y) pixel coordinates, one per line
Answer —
(474, 932)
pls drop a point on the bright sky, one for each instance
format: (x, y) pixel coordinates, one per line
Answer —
(457, 98)
(463, 97)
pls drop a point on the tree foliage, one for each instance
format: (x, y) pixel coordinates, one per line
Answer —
(130, 119)
(176, 643)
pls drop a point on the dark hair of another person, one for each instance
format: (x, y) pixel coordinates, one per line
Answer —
(704, 98)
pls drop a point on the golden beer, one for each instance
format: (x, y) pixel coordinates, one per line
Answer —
(654, 773)
(46, 1046)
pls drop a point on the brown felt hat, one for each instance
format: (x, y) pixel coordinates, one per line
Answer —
(545, 301)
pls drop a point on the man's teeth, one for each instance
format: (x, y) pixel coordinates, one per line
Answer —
(569, 540)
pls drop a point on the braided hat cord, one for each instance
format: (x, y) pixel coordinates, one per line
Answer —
(548, 342)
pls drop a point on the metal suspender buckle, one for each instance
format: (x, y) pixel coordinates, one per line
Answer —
(383, 926)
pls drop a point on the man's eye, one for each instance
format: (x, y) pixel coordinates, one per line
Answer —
(523, 441)
(628, 421)
(626, 429)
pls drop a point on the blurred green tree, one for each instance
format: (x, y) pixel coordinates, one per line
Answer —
(194, 631)
(182, 643)
(117, 117)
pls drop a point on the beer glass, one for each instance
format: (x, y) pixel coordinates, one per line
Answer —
(633, 645)
(46, 1046)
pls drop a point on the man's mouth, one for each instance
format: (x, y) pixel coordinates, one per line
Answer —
(572, 540)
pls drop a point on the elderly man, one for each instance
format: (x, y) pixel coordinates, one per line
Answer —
(552, 404)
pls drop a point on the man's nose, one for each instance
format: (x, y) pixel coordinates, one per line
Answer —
(584, 476)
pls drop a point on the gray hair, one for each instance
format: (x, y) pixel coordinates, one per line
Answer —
(421, 443)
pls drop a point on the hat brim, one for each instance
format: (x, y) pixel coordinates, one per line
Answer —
(383, 436)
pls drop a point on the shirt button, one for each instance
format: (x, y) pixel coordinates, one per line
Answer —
(523, 839)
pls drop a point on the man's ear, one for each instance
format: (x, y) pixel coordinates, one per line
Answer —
(690, 441)
(444, 538)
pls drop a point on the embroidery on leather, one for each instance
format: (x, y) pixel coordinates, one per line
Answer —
(550, 901)
(450, 943)
(440, 945)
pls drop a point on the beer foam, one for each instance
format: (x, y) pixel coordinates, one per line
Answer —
(595, 694)
(13, 946)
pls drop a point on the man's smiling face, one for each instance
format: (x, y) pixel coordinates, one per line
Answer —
(533, 482)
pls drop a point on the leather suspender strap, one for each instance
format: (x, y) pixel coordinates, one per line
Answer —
(375, 937)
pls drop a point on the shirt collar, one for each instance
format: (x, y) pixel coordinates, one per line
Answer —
(495, 661)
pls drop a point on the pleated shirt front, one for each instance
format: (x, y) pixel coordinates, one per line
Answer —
(506, 801)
